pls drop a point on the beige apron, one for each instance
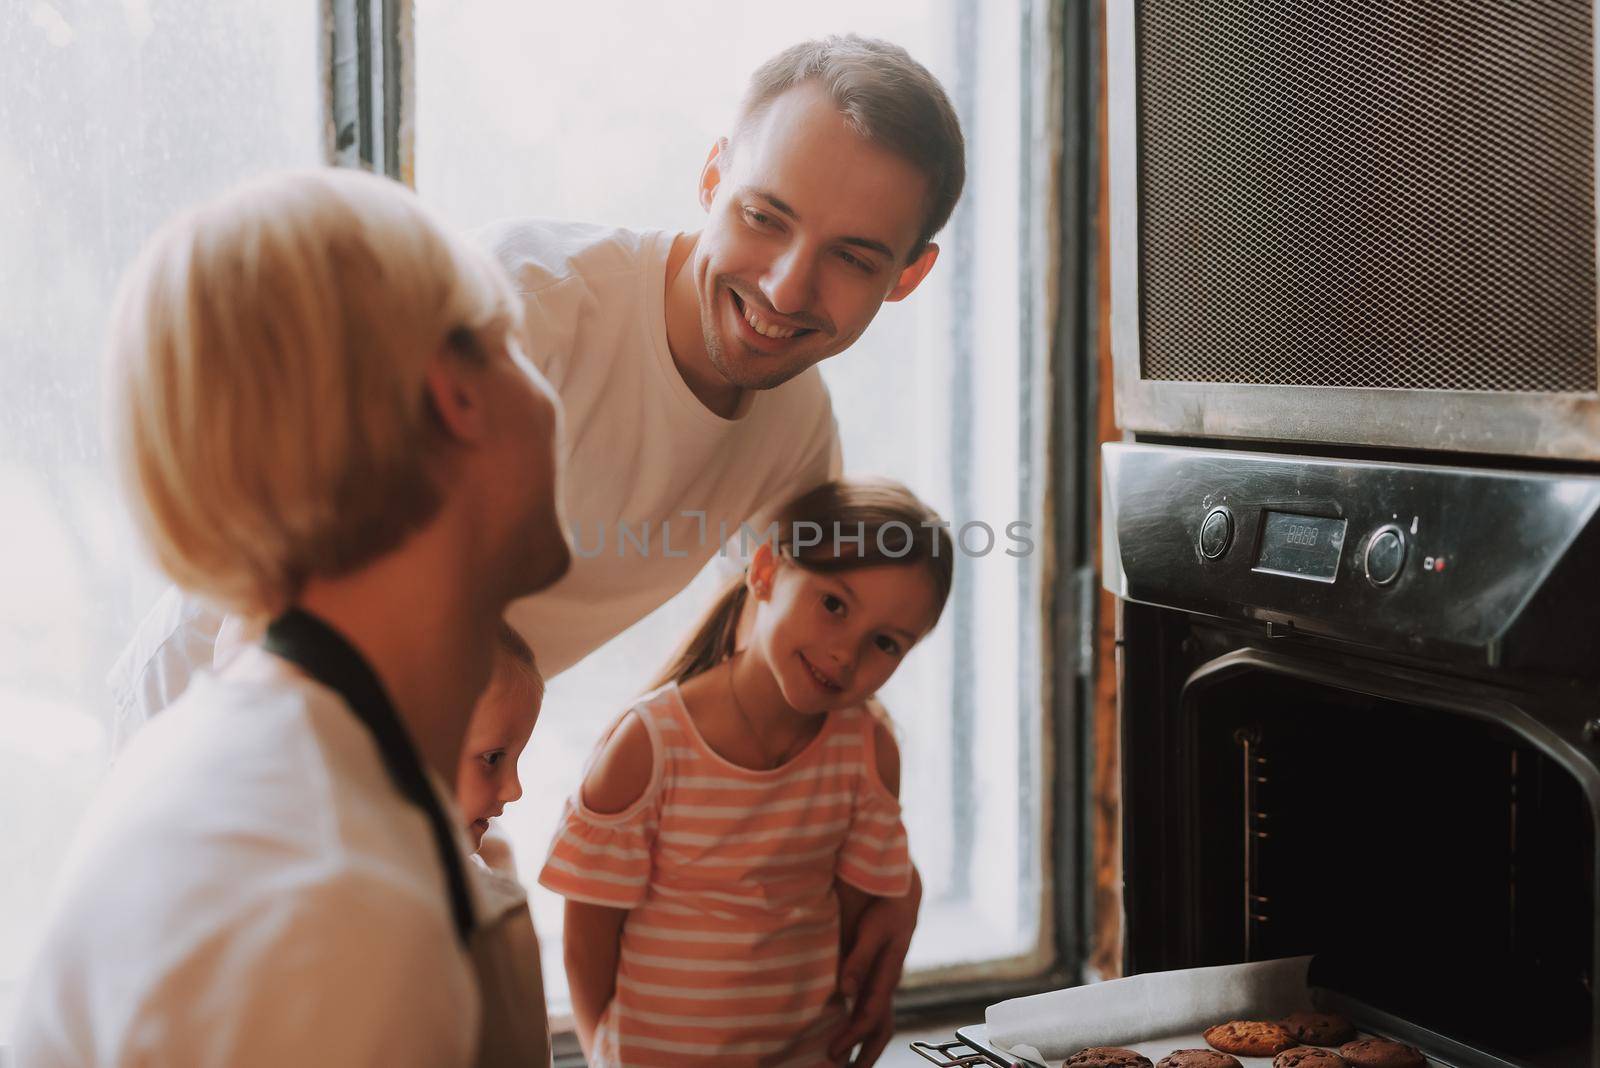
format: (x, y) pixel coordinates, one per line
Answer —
(514, 1029)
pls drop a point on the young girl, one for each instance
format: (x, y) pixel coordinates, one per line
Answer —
(735, 822)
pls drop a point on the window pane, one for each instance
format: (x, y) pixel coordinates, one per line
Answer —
(604, 112)
(112, 116)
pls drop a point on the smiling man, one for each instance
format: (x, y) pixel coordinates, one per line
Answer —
(685, 363)
(819, 216)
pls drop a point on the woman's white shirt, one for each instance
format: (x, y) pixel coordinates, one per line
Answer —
(249, 888)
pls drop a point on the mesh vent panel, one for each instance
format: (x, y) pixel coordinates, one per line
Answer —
(1395, 195)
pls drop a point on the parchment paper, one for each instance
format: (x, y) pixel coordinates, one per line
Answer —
(1138, 1009)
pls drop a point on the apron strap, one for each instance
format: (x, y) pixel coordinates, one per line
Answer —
(325, 655)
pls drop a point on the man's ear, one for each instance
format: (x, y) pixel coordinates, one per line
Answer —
(711, 173)
(455, 392)
(914, 273)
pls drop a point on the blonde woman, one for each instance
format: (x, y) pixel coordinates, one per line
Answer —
(321, 422)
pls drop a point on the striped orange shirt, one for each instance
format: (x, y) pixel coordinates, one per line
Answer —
(730, 951)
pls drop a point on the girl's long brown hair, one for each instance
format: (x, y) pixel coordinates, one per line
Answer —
(894, 527)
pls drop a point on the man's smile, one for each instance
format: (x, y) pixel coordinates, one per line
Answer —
(766, 325)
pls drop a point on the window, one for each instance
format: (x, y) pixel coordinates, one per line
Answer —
(112, 117)
(604, 112)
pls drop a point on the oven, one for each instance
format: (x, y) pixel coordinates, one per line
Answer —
(1361, 720)
(1352, 524)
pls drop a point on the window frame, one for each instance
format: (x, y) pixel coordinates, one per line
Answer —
(369, 86)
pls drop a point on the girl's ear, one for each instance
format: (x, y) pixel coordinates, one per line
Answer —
(763, 568)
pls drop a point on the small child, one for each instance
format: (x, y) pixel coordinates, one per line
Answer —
(486, 782)
(734, 824)
(501, 723)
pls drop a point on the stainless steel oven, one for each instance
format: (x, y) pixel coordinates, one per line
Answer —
(1348, 222)
(1361, 719)
(1354, 525)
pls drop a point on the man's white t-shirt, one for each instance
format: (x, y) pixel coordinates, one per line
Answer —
(250, 888)
(644, 459)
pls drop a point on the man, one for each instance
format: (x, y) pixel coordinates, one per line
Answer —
(316, 403)
(686, 365)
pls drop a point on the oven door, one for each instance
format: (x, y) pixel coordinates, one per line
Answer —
(1430, 840)
(1359, 224)
(1360, 711)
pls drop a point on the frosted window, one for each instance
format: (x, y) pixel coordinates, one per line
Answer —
(112, 116)
(604, 112)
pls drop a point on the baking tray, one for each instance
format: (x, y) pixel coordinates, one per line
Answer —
(970, 1049)
(1157, 1013)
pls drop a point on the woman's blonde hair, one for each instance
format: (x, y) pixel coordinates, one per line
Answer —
(265, 379)
(843, 525)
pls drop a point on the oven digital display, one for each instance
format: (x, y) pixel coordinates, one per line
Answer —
(1304, 546)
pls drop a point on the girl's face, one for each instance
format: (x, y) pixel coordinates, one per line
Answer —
(502, 720)
(833, 639)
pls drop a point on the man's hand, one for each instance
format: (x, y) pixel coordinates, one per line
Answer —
(870, 973)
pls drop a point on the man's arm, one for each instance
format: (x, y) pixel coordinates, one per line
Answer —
(876, 934)
(853, 904)
(871, 972)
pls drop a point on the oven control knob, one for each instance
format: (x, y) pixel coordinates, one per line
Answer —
(1216, 533)
(1386, 554)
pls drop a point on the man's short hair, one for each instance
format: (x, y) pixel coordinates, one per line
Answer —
(887, 97)
(266, 379)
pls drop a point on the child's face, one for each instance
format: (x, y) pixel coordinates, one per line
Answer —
(502, 720)
(832, 640)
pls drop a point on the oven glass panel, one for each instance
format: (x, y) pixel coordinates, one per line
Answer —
(1439, 867)
(1302, 546)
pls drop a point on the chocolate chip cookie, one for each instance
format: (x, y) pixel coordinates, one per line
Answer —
(1249, 1038)
(1381, 1053)
(1197, 1058)
(1318, 1028)
(1106, 1057)
(1308, 1057)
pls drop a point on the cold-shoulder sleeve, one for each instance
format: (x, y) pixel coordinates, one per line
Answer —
(876, 857)
(605, 858)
